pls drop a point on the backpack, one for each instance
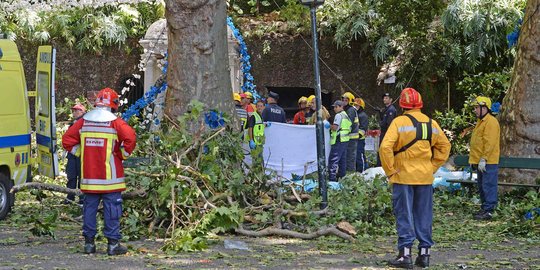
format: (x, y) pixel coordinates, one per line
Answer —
(423, 132)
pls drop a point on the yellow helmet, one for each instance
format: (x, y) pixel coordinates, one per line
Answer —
(236, 97)
(349, 96)
(360, 102)
(249, 95)
(483, 101)
(310, 99)
(302, 99)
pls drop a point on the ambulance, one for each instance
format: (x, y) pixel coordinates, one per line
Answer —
(17, 158)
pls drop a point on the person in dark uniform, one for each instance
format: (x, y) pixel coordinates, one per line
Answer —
(348, 100)
(272, 112)
(73, 166)
(361, 161)
(388, 113)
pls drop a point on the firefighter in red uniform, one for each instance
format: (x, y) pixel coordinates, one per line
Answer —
(102, 140)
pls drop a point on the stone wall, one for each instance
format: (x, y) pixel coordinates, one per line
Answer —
(278, 62)
(80, 74)
(288, 62)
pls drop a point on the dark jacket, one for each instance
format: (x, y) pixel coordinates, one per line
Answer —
(387, 115)
(273, 113)
(351, 112)
(364, 120)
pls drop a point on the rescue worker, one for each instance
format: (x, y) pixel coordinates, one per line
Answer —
(241, 113)
(273, 112)
(363, 119)
(313, 118)
(387, 114)
(484, 155)
(255, 133)
(310, 109)
(413, 148)
(73, 166)
(103, 141)
(300, 116)
(348, 100)
(250, 99)
(339, 137)
(256, 127)
(246, 105)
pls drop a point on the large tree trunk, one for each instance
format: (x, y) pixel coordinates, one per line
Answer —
(198, 61)
(520, 116)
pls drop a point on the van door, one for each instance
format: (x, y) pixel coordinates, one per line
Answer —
(45, 112)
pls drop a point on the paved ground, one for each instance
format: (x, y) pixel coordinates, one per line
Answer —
(20, 250)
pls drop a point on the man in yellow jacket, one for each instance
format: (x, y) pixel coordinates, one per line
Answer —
(485, 154)
(413, 148)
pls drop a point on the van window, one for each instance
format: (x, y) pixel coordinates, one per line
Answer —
(43, 92)
(12, 93)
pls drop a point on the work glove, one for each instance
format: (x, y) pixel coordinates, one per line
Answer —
(482, 165)
(252, 145)
(326, 124)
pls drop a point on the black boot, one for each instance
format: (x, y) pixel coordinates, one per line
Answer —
(114, 248)
(423, 258)
(89, 245)
(403, 260)
(484, 215)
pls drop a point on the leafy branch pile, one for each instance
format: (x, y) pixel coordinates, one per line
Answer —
(197, 184)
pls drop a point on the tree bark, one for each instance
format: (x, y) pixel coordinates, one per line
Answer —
(520, 114)
(198, 60)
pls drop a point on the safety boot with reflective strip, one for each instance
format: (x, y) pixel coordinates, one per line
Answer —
(423, 258)
(403, 260)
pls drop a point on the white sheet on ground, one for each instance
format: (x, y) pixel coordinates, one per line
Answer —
(288, 148)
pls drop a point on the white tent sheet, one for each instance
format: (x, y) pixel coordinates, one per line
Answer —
(288, 148)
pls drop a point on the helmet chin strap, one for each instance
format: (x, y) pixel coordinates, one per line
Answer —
(482, 115)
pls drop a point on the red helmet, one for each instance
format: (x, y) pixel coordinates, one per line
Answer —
(410, 99)
(107, 97)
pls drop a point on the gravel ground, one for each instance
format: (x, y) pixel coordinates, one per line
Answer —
(20, 250)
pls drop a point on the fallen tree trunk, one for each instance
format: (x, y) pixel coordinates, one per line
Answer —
(306, 236)
(65, 190)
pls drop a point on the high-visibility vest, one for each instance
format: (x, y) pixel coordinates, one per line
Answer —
(104, 136)
(258, 130)
(343, 131)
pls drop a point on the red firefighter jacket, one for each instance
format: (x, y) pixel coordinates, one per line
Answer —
(102, 147)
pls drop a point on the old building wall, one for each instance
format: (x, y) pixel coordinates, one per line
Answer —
(80, 74)
(278, 62)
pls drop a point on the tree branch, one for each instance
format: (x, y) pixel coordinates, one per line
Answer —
(56, 188)
(306, 236)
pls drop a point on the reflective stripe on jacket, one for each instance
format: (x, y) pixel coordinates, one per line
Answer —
(343, 131)
(485, 141)
(258, 130)
(417, 164)
(103, 147)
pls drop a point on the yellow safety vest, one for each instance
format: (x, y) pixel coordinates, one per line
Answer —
(258, 130)
(343, 131)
